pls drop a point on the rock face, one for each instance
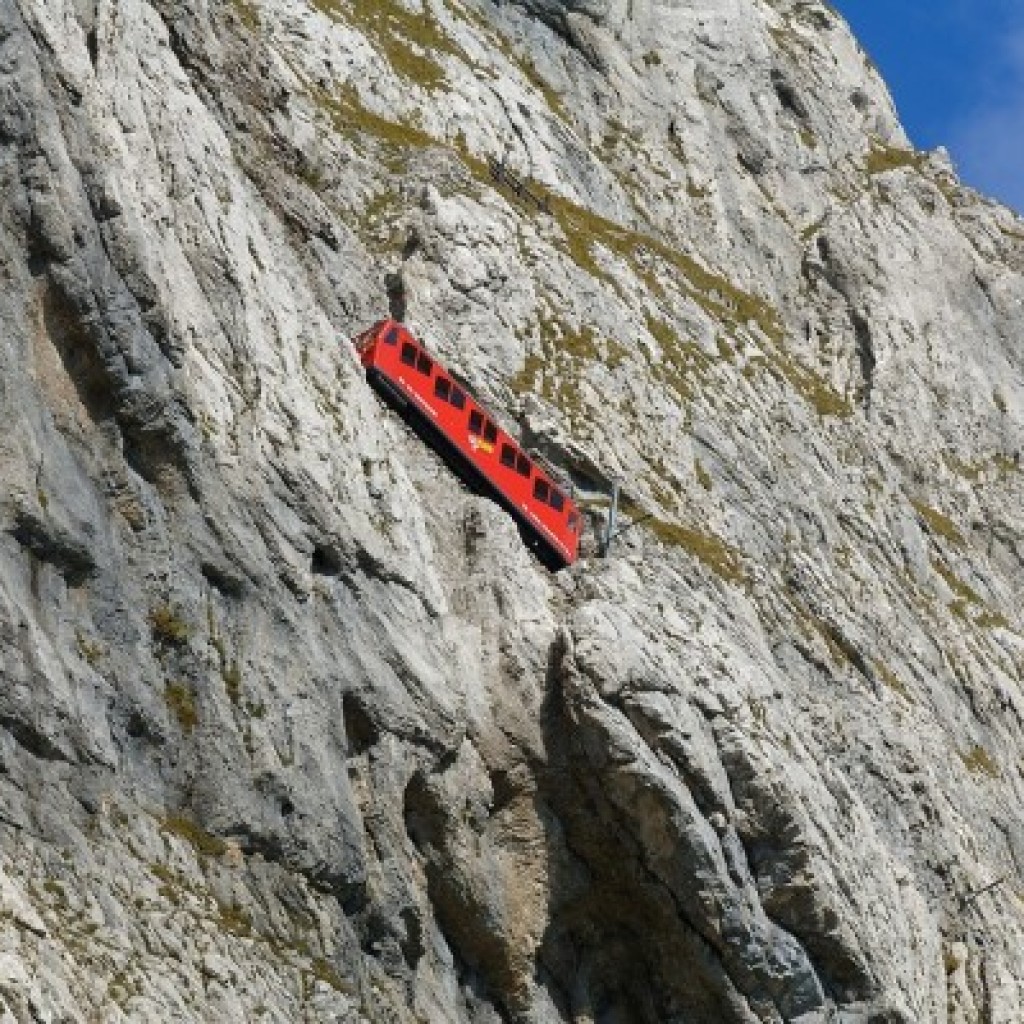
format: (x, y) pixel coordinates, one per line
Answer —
(292, 728)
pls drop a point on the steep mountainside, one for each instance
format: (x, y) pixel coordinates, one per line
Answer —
(292, 728)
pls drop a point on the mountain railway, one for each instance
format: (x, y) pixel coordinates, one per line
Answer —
(489, 459)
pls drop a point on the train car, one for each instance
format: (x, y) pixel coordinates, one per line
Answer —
(468, 436)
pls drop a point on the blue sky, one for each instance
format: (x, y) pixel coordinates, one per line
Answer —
(956, 72)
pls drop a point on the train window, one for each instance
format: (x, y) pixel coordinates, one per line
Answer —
(522, 465)
(574, 521)
(557, 499)
(476, 422)
(424, 364)
(490, 432)
(391, 337)
(458, 398)
(508, 456)
(442, 388)
(541, 489)
(409, 354)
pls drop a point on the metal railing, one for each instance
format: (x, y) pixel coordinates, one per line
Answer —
(501, 173)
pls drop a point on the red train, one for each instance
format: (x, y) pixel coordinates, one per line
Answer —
(468, 436)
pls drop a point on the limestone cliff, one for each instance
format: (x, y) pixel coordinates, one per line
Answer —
(292, 727)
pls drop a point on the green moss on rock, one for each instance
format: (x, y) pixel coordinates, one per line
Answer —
(883, 158)
(710, 550)
(978, 761)
(409, 40)
(936, 523)
(167, 626)
(181, 702)
(185, 828)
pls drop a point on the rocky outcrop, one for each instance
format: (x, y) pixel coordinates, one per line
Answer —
(294, 728)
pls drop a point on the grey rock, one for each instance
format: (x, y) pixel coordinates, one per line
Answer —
(293, 728)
